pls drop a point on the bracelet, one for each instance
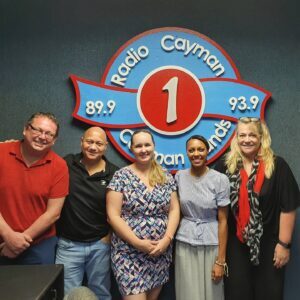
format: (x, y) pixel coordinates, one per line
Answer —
(224, 265)
(284, 245)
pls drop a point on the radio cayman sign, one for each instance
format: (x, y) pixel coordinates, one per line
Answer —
(175, 82)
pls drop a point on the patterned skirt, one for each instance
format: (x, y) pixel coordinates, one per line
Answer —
(137, 272)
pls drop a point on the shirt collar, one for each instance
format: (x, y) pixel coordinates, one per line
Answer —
(78, 161)
(16, 151)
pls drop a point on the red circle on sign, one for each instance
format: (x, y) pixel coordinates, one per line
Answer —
(169, 105)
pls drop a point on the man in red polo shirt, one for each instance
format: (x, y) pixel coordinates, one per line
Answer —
(33, 184)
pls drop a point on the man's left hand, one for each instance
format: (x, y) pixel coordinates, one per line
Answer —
(5, 251)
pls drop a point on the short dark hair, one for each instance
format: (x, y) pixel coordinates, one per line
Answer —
(200, 138)
(48, 115)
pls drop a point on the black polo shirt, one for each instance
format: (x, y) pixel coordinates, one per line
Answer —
(83, 217)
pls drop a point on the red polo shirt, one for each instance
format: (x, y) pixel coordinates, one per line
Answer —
(24, 191)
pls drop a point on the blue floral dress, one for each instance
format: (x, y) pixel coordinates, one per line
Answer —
(146, 212)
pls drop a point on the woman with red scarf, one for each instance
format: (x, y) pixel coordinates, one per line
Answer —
(264, 196)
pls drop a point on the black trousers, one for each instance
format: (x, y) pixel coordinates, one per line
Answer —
(248, 282)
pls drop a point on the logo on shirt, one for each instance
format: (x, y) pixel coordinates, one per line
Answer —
(175, 82)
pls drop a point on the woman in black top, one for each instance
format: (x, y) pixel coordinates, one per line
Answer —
(264, 196)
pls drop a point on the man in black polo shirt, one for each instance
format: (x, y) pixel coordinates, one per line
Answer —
(84, 234)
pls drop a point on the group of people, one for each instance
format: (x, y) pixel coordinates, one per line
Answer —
(232, 225)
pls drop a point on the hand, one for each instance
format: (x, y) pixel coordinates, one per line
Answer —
(146, 246)
(17, 242)
(5, 251)
(217, 273)
(281, 256)
(1, 247)
(106, 239)
(161, 247)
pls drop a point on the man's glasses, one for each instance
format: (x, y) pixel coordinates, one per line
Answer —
(248, 119)
(37, 131)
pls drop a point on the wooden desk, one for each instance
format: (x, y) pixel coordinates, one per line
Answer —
(31, 282)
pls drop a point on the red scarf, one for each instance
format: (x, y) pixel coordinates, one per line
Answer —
(243, 202)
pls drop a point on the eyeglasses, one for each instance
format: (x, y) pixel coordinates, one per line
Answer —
(37, 131)
(249, 119)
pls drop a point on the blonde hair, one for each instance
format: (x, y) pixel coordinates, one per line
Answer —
(266, 154)
(156, 174)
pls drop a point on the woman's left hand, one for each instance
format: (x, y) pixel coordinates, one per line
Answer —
(217, 273)
(281, 256)
(161, 247)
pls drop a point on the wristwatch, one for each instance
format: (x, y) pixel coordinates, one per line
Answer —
(284, 245)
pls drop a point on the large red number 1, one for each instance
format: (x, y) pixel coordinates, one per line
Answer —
(171, 87)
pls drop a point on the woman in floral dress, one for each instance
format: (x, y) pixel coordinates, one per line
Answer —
(143, 211)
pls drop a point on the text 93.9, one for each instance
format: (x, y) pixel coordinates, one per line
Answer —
(243, 104)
